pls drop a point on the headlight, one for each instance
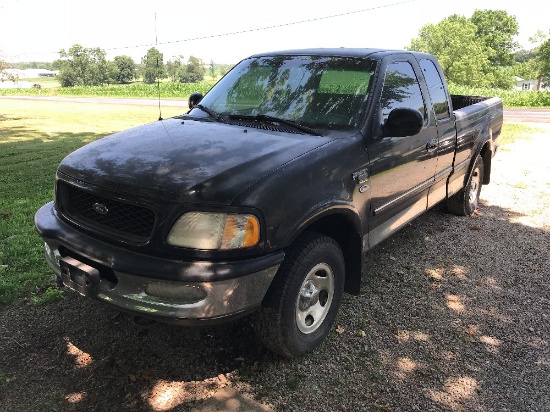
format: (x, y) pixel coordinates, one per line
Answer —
(212, 231)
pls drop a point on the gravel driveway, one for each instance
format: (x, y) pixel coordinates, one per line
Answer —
(453, 315)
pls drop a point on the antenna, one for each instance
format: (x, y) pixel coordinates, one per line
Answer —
(158, 78)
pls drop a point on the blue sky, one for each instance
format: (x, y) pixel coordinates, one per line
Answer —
(37, 29)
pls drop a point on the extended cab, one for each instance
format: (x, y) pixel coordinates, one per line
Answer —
(265, 195)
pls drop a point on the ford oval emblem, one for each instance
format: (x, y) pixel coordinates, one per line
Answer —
(101, 209)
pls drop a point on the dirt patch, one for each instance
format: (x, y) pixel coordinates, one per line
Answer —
(453, 315)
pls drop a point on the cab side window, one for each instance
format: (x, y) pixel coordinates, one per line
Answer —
(436, 89)
(401, 90)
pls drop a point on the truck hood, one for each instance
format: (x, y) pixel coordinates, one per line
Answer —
(186, 160)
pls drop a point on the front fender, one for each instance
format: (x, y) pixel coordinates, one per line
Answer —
(341, 222)
(323, 217)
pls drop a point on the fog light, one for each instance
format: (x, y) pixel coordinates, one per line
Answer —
(52, 254)
(176, 292)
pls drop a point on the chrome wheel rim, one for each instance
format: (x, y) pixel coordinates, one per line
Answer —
(314, 298)
(475, 183)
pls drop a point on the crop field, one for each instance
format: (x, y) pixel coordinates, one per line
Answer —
(166, 90)
(510, 98)
(171, 90)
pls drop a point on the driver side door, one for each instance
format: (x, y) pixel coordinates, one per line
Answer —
(402, 169)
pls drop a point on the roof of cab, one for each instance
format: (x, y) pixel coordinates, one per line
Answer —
(334, 52)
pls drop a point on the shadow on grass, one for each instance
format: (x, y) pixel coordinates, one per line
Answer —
(450, 317)
(21, 133)
(28, 163)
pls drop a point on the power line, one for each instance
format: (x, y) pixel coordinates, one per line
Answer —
(275, 26)
(233, 33)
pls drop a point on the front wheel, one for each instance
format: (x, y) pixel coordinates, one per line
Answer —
(302, 302)
(466, 201)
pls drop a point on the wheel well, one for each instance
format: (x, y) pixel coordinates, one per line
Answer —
(343, 231)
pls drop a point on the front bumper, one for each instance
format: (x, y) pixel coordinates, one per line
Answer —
(192, 292)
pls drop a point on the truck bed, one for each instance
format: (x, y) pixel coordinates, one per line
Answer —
(476, 117)
(461, 101)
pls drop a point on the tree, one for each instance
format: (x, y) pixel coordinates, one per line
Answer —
(497, 29)
(33, 65)
(534, 63)
(212, 69)
(527, 70)
(477, 51)
(224, 69)
(83, 66)
(454, 42)
(523, 55)
(538, 38)
(153, 66)
(5, 73)
(544, 62)
(174, 68)
(124, 69)
(194, 71)
(56, 64)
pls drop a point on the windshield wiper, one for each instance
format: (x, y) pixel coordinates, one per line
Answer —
(210, 112)
(273, 119)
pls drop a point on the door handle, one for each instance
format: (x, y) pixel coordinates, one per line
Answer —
(431, 145)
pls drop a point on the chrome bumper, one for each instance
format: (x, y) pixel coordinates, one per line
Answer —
(169, 290)
(188, 301)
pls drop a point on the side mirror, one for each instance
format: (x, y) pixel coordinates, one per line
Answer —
(403, 122)
(194, 99)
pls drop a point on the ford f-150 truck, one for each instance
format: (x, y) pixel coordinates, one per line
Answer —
(265, 195)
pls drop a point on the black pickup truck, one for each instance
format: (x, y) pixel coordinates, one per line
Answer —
(264, 197)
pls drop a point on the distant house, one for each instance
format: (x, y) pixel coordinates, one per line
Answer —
(15, 78)
(28, 73)
(535, 84)
(34, 73)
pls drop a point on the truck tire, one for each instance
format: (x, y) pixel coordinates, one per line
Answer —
(466, 201)
(302, 302)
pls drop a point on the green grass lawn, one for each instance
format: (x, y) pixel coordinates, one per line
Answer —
(170, 90)
(167, 89)
(45, 82)
(514, 131)
(34, 137)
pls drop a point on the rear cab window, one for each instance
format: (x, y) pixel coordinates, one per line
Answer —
(436, 89)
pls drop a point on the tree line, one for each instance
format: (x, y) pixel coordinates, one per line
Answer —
(481, 51)
(81, 66)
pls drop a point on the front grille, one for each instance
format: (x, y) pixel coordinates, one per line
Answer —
(119, 218)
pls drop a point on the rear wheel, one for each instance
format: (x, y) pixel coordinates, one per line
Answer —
(466, 201)
(301, 304)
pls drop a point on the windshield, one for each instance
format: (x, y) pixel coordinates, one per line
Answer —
(319, 92)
